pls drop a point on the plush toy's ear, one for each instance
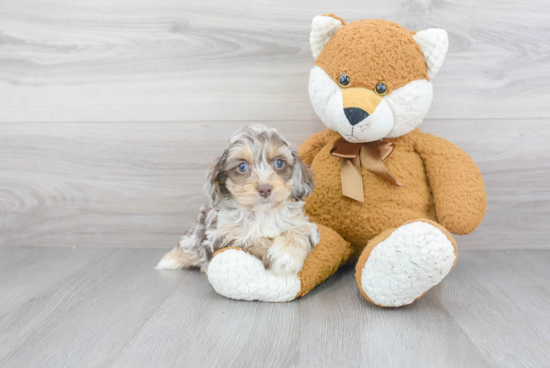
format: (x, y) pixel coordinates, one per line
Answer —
(434, 44)
(322, 29)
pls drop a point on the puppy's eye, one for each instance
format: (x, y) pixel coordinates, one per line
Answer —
(343, 80)
(380, 89)
(243, 167)
(279, 164)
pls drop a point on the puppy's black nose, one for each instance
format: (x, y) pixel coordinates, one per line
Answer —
(265, 190)
(355, 115)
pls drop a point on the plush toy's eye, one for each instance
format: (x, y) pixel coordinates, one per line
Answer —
(380, 89)
(343, 80)
(279, 164)
(243, 167)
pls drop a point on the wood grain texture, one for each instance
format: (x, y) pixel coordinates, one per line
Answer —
(87, 317)
(111, 111)
(500, 291)
(97, 184)
(32, 270)
(380, 337)
(117, 311)
(109, 115)
(140, 184)
(171, 60)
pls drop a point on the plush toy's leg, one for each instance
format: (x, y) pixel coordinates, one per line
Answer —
(400, 265)
(331, 253)
(237, 274)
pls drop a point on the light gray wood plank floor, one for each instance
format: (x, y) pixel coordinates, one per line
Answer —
(65, 307)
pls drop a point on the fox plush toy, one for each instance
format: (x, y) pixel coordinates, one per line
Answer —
(387, 196)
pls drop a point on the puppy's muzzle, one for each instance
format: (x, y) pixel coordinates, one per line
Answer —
(265, 190)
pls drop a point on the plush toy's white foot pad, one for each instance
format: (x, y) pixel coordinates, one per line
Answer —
(413, 259)
(238, 275)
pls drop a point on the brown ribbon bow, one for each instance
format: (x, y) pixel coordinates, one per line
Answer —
(370, 155)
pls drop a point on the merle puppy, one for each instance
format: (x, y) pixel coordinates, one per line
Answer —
(256, 190)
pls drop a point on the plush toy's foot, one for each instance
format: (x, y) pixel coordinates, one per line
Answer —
(237, 274)
(399, 266)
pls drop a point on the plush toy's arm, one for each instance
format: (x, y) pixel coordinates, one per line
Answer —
(311, 146)
(456, 182)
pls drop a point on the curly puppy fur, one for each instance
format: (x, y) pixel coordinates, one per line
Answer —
(256, 191)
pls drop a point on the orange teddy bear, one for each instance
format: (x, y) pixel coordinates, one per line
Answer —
(387, 195)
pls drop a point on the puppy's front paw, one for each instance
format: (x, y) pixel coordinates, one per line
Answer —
(237, 274)
(287, 255)
(282, 263)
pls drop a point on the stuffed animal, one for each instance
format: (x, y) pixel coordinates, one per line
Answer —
(387, 195)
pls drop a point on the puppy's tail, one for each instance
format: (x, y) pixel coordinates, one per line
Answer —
(177, 259)
(191, 250)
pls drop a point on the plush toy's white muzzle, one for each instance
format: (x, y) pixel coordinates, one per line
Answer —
(353, 123)
(397, 113)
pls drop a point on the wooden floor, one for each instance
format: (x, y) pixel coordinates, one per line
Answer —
(63, 307)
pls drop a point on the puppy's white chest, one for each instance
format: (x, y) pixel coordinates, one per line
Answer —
(266, 225)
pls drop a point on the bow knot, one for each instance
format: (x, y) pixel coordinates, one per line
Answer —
(353, 155)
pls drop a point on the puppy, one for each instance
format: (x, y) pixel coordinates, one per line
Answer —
(256, 191)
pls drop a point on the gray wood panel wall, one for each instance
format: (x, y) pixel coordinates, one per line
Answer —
(111, 111)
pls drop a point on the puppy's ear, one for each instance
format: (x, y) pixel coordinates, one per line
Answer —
(215, 181)
(303, 179)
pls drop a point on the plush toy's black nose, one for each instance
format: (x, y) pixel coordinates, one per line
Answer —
(355, 115)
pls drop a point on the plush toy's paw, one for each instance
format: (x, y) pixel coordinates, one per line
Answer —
(237, 274)
(401, 268)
